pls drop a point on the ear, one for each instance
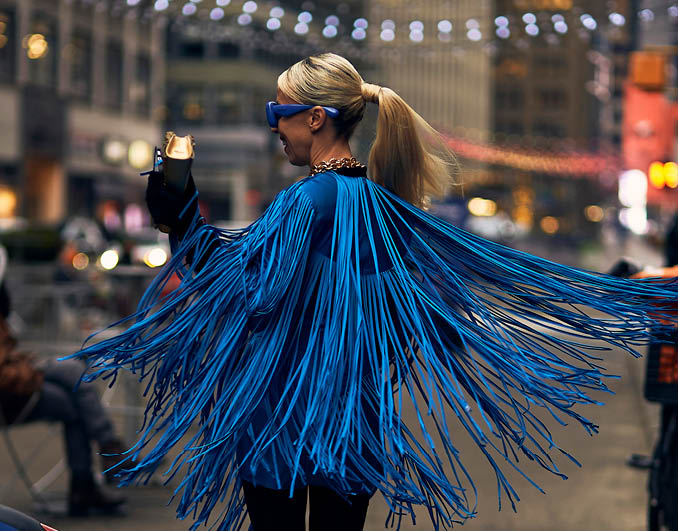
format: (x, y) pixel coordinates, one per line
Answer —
(317, 118)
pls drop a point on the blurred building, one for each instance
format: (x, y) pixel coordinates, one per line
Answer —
(222, 69)
(435, 55)
(428, 52)
(650, 132)
(81, 83)
(541, 102)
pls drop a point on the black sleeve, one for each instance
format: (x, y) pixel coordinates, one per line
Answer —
(5, 301)
(671, 244)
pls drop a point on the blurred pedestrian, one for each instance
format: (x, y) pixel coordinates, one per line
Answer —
(671, 242)
(294, 343)
(32, 390)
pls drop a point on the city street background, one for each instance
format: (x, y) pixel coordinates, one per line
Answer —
(563, 115)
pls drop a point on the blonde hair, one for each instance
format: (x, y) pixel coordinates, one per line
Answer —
(408, 156)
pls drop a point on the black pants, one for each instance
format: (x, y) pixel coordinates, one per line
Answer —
(274, 510)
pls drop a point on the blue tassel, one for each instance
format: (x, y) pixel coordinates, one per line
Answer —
(294, 347)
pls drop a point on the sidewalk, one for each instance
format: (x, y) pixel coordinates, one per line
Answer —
(603, 494)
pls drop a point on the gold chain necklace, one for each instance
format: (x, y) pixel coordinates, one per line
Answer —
(335, 164)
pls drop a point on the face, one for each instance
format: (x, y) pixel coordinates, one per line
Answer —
(295, 133)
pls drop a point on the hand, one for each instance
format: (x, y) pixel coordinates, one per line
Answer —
(166, 206)
(624, 268)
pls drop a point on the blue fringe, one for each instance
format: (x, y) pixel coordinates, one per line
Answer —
(398, 310)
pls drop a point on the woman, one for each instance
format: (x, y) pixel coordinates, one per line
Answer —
(298, 342)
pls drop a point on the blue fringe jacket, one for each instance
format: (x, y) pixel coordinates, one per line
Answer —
(293, 347)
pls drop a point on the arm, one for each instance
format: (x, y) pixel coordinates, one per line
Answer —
(663, 272)
(177, 213)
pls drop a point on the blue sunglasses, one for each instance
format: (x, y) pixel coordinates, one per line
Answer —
(275, 110)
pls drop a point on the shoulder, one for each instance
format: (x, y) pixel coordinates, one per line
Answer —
(321, 190)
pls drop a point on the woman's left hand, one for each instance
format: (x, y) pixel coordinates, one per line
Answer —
(170, 211)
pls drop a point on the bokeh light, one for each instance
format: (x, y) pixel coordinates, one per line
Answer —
(445, 26)
(109, 259)
(387, 35)
(250, 6)
(189, 9)
(273, 24)
(217, 13)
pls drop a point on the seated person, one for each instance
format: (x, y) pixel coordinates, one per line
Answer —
(51, 384)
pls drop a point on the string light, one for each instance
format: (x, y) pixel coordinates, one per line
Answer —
(387, 35)
(444, 26)
(532, 30)
(189, 9)
(357, 28)
(330, 31)
(577, 164)
(617, 19)
(305, 17)
(249, 7)
(646, 15)
(301, 28)
(358, 34)
(474, 34)
(217, 13)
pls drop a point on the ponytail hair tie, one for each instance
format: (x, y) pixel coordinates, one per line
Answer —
(370, 92)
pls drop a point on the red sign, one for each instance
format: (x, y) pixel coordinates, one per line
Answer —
(648, 128)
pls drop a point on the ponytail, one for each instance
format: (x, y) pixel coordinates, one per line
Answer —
(408, 156)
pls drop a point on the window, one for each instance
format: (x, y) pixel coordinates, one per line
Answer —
(140, 89)
(509, 98)
(229, 106)
(41, 48)
(7, 45)
(228, 50)
(80, 53)
(192, 50)
(114, 75)
(185, 104)
(551, 98)
(547, 129)
(511, 128)
(550, 65)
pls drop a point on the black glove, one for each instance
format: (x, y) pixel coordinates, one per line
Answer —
(624, 268)
(166, 206)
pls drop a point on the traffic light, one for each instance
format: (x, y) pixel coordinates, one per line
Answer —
(663, 174)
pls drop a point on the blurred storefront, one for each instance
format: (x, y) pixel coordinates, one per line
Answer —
(81, 95)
